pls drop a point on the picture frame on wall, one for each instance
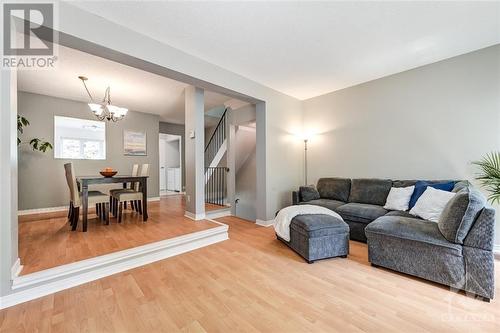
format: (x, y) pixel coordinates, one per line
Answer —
(134, 143)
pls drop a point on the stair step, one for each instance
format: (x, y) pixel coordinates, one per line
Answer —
(216, 213)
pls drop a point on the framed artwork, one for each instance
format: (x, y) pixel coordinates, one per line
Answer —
(134, 143)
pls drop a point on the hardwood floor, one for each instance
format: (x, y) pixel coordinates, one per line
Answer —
(251, 283)
(45, 240)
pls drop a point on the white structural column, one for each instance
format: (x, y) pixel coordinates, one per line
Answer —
(195, 153)
(230, 158)
(8, 179)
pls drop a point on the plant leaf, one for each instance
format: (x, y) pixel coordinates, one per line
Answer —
(489, 175)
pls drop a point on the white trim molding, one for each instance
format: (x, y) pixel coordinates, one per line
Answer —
(42, 210)
(59, 209)
(49, 281)
(16, 269)
(195, 217)
(496, 251)
(264, 223)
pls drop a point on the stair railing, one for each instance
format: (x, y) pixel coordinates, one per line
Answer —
(216, 140)
(216, 185)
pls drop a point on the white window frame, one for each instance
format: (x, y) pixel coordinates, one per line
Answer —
(82, 141)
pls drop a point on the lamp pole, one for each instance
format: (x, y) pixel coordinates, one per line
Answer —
(305, 161)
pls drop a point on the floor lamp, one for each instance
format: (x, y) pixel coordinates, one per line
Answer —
(305, 161)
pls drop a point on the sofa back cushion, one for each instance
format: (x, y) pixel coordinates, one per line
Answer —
(460, 213)
(334, 188)
(412, 182)
(370, 191)
(459, 185)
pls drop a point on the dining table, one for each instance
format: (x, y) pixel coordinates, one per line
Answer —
(84, 182)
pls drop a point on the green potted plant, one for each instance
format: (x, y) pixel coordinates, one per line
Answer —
(36, 144)
(489, 176)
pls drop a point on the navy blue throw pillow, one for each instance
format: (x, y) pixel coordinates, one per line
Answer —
(421, 186)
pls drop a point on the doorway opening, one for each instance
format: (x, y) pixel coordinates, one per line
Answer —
(170, 158)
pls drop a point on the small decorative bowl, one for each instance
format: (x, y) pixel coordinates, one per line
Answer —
(108, 174)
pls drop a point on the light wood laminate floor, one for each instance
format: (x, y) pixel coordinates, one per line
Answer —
(254, 283)
(46, 241)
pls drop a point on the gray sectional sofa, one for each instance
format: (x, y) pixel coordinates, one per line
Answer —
(457, 252)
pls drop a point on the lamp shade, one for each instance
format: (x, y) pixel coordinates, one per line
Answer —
(96, 108)
(117, 111)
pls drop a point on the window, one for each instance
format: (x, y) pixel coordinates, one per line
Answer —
(79, 138)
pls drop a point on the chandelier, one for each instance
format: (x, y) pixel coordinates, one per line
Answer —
(104, 110)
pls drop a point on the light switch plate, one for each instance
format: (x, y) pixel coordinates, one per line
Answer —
(191, 134)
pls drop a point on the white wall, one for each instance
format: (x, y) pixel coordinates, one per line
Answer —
(172, 154)
(427, 123)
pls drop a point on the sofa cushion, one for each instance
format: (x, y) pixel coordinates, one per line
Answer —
(421, 186)
(359, 212)
(401, 213)
(414, 229)
(410, 182)
(415, 247)
(459, 214)
(334, 188)
(460, 185)
(370, 191)
(403, 183)
(327, 203)
(308, 193)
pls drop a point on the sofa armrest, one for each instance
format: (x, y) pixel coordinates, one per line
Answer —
(295, 197)
(482, 233)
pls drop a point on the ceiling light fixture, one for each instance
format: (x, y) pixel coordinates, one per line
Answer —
(104, 110)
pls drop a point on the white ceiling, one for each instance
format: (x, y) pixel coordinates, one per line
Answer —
(306, 49)
(131, 88)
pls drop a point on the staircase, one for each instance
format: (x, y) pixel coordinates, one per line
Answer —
(215, 175)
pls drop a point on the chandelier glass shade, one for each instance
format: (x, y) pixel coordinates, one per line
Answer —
(104, 110)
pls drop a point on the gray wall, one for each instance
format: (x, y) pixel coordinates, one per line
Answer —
(41, 176)
(177, 129)
(427, 123)
(246, 163)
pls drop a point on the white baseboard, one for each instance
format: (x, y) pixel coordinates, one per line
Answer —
(16, 269)
(195, 217)
(264, 223)
(496, 251)
(58, 209)
(49, 281)
(42, 210)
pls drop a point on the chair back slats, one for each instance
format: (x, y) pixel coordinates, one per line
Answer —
(73, 187)
(144, 173)
(135, 173)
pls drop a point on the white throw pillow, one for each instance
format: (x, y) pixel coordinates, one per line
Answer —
(399, 198)
(431, 203)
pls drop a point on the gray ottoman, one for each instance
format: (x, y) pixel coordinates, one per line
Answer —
(319, 236)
